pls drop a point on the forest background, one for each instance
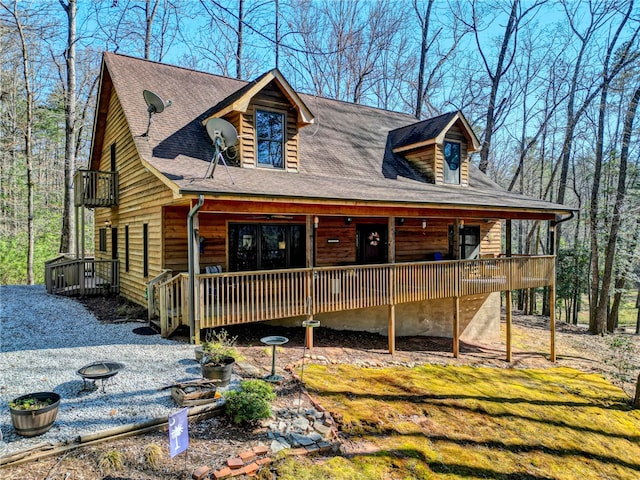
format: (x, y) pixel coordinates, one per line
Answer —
(551, 88)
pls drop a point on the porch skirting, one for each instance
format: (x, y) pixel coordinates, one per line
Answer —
(479, 318)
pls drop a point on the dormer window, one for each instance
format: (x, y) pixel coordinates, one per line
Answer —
(451, 163)
(270, 138)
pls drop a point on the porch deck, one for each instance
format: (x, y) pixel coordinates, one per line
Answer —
(245, 297)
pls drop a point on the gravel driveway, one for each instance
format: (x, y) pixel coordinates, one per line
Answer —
(45, 339)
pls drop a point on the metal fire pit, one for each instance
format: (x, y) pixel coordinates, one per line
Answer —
(99, 371)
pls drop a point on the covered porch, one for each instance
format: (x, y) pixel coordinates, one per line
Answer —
(224, 299)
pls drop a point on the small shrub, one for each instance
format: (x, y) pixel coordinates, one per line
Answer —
(152, 454)
(110, 460)
(251, 402)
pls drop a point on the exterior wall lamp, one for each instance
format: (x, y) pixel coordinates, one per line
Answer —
(316, 221)
(401, 221)
(424, 224)
(107, 224)
(348, 220)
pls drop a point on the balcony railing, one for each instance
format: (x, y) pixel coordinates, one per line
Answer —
(245, 297)
(69, 276)
(95, 189)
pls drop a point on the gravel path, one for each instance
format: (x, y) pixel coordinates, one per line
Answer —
(45, 339)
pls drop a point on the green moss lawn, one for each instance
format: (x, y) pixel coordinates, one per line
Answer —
(450, 422)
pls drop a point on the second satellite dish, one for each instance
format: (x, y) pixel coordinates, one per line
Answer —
(155, 104)
(224, 136)
(221, 130)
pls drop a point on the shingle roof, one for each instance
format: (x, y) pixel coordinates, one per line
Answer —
(344, 155)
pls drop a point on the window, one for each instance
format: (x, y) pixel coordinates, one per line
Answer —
(145, 250)
(126, 248)
(270, 128)
(266, 246)
(451, 163)
(102, 240)
(114, 243)
(113, 157)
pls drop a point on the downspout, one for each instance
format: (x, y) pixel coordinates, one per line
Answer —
(192, 282)
(552, 232)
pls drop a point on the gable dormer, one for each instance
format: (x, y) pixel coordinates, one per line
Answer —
(267, 114)
(439, 147)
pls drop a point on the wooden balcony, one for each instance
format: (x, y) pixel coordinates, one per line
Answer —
(95, 189)
(246, 297)
(73, 277)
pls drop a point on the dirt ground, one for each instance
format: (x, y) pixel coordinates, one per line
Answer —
(214, 440)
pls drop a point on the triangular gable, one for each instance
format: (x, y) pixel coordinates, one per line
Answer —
(239, 101)
(432, 131)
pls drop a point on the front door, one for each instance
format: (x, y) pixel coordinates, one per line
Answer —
(372, 244)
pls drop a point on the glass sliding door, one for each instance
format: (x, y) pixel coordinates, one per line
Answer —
(266, 246)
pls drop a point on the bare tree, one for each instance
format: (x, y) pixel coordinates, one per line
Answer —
(28, 128)
(67, 236)
(617, 210)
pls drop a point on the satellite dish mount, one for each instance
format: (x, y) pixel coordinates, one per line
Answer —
(155, 104)
(223, 135)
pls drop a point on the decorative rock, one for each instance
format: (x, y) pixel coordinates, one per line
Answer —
(315, 436)
(324, 446)
(200, 472)
(313, 448)
(278, 445)
(301, 423)
(321, 429)
(297, 439)
(264, 461)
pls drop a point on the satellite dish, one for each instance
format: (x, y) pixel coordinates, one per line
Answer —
(155, 104)
(223, 135)
(222, 131)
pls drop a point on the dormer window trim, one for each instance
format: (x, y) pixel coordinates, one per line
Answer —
(259, 139)
(451, 150)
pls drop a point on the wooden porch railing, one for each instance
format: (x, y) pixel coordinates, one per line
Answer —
(245, 297)
(173, 303)
(70, 276)
(95, 189)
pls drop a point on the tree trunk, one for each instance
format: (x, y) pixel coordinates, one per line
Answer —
(424, 47)
(240, 39)
(26, 70)
(500, 70)
(616, 220)
(612, 319)
(636, 400)
(150, 14)
(638, 317)
(67, 237)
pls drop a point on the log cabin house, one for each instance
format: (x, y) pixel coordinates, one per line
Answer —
(359, 217)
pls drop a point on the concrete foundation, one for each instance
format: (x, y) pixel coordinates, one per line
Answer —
(479, 318)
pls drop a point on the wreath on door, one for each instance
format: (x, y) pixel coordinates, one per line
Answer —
(374, 239)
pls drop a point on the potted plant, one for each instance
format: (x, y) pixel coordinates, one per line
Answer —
(33, 414)
(218, 357)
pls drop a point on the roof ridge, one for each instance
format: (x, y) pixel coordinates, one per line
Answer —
(431, 119)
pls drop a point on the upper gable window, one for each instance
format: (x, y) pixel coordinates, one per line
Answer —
(270, 138)
(452, 163)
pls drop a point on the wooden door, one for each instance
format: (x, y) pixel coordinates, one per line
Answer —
(372, 243)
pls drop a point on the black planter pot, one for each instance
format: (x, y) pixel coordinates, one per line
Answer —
(220, 372)
(30, 423)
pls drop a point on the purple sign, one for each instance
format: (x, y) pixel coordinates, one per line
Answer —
(178, 432)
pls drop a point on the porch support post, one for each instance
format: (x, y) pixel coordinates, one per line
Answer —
(456, 239)
(552, 293)
(508, 292)
(310, 263)
(456, 327)
(391, 256)
(508, 311)
(391, 330)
